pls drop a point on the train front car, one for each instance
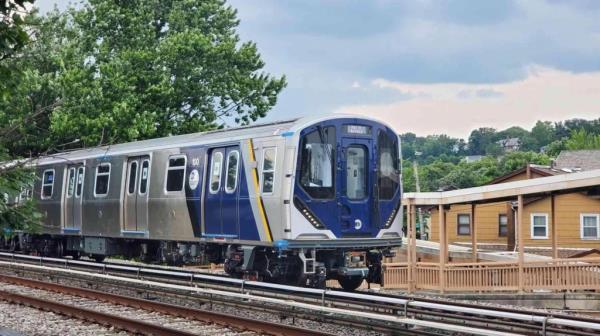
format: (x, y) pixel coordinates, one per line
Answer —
(344, 214)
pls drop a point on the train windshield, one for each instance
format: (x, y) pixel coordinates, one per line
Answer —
(318, 162)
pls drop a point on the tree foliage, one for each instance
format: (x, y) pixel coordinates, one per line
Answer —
(113, 72)
(15, 212)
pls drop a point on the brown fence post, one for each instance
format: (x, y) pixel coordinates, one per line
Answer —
(473, 233)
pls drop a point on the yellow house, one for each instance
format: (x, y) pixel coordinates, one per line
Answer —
(577, 217)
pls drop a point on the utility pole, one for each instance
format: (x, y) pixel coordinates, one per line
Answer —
(418, 187)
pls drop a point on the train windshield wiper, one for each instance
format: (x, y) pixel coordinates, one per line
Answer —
(325, 145)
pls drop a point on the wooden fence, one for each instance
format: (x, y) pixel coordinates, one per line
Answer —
(554, 275)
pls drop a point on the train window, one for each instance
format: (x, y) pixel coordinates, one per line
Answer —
(102, 180)
(80, 176)
(132, 177)
(175, 173)
(387, 174)
(215, 172)
(356, 172)
(232, 171)
(318, 162)
(268, 169)
(71, 181)
(47, 184)
(144, 176)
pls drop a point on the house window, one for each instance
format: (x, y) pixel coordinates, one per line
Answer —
(463, 227)
(175, 173)
(539, 226)
(47, 184)
(102, 180)
(268, 170)
(502, 225)
(590, 226)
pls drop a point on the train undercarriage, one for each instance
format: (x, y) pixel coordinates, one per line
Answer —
(308, 267)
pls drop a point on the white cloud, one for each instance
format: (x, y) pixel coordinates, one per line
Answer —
(457, 108)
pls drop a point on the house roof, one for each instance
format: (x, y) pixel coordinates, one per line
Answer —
(509, 142)
(578, 160)
(534, 169)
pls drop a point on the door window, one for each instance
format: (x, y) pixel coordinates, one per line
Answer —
(71, 186)
(356, 172)
(215, 172)
(268, 170)
(144, 177)
(80, 175)
(317, 155)
(232, 171)
(132, 177)
(175, 173)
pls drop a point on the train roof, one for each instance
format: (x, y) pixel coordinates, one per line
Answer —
(233, 133)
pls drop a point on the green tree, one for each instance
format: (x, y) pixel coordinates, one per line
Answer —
(581, 139)
(125, 71)
(480, 139)
(542, 133)
(16, 212)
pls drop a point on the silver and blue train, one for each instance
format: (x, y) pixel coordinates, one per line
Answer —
(294, 202)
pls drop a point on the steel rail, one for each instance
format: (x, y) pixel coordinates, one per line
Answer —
(535, 319)
(119, 322)
(234, 322)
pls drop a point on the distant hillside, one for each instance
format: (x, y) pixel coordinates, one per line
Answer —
(442, 160)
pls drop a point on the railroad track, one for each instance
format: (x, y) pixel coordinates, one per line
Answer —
(385, 313)
(132, 314)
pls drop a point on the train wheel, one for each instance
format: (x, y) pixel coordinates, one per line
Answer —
(350, 283)
(98, 257)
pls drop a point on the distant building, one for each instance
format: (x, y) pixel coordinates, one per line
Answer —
(472, 158)
(577, 160)
(510, 144)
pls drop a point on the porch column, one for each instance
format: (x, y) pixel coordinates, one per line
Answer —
(413, 250)
(521, 241)
(409, 245)
(554, 229)
(473, 233)
(443, 247)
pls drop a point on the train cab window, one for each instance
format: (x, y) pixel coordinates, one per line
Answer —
(132, 177)
(387, 173)
(144, 177)
(232, 171)
(71, 181)
(268, 170)
(102, 180)
(356, 172)
(215, 172)
(175, 173)
(317, 155)
(80, 176)
(47, 184)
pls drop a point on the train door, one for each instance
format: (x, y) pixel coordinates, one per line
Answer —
(135, 198)
(73, 197)
(222, 192)
(355, 189)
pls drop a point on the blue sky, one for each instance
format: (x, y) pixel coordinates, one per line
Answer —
(430, 66)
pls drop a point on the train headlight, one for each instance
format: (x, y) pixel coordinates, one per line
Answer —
(312, 219)
(391, 218)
